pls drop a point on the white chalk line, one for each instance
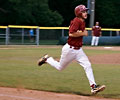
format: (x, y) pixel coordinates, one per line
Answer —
(108, 47)
(20, 97)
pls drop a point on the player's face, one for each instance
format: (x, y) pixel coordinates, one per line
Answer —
(97, 23)
(84, 14)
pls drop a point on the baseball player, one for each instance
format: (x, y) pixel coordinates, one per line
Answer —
(96, 33)
(31, 33)
(72, 50)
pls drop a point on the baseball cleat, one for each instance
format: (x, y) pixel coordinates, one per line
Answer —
(97, 88)
(43, 60)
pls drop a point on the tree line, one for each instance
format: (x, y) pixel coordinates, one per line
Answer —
(56, 12)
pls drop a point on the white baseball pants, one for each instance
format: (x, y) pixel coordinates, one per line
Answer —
(70, 54)
(94, 41)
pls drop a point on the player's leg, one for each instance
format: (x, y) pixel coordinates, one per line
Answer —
(85, 63)
(66, 58)
(93, 41)
(83, 60)
(97, 40)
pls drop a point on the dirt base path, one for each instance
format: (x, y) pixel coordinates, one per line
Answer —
(24, 94)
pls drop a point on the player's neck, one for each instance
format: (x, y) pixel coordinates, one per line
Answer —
(82, 19)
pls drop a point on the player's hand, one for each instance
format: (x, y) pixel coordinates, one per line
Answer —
(85, 32)
(79, 31)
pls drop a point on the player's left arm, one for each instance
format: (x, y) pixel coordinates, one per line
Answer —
(79, 33)
(100, 32)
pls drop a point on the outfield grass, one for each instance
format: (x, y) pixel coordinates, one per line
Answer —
(18, 68)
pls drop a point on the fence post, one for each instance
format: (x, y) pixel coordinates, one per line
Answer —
(37, 36)
(7, 36)
(62, 32)
(22, 35)
(110, 33)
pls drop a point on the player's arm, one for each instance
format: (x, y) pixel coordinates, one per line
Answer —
(78, 33)
(100, 32)
(92, 33)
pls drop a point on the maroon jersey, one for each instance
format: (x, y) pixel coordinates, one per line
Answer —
(96, 31)
(75, 25)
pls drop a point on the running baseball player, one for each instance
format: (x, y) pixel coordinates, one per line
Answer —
(72, 50)
(96, 33)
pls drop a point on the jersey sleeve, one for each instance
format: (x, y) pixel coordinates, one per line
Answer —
(74, 26)
(93, 28)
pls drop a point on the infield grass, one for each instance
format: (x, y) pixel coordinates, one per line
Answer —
(18, 69)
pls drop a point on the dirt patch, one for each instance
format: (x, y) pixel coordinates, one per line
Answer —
(105, 59)
(24, 94)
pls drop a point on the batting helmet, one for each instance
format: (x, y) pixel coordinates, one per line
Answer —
(79, 9)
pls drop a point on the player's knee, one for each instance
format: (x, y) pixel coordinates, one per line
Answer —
(60, 69)
(87, 65)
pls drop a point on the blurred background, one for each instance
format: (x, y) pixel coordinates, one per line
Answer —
(57, 12)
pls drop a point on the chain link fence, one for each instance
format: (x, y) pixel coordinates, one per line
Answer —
(34, 35)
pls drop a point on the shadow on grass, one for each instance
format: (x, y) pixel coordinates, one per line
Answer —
(112, 96)
(116, 96)
(70, 92)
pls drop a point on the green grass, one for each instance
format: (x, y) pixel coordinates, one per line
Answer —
(99, 52)
(18, 68)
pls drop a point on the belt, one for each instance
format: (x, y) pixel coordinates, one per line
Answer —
(76, 48)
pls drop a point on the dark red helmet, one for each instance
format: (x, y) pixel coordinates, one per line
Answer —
(79, 9)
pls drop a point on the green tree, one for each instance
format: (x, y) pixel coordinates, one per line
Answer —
(107, 13)
(29, 12)
(65, 8)
(5, 9)
(37, 12)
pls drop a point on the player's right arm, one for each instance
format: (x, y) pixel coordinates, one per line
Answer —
(78, 33)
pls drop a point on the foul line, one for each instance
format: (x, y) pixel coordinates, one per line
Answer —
(21, 97)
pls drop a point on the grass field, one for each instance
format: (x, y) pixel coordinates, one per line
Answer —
(18, 69)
